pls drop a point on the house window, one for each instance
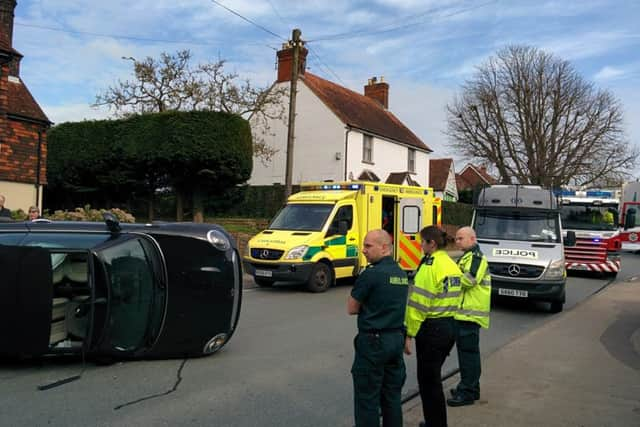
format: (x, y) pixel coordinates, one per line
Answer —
(411, 163)
(367, 148)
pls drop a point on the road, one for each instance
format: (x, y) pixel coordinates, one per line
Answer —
(287, 365)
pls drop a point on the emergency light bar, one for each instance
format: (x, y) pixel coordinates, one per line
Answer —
(340, 187)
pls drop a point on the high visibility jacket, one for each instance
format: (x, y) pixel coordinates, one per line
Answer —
(476, 288)
(436, 291)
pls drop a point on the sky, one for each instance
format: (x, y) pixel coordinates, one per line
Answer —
(425, 49)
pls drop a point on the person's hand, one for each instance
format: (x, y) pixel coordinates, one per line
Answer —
(407, 346)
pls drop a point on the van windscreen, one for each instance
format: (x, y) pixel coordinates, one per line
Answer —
(307, 217)
(539, 227)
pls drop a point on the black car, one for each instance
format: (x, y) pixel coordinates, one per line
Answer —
(130, 290)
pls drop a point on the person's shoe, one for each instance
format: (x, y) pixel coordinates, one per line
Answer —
(459, 400)
(454, 393)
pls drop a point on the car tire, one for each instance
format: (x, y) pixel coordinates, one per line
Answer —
(556, 306)
(263, 283)
(321, 278)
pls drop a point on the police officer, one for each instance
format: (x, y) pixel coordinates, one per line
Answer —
(433, 301)
(473, 314)
(378, 298)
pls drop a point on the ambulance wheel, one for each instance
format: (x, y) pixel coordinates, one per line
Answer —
(320, 279)
(263, 283)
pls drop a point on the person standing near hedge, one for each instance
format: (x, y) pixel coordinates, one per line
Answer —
(4, 212)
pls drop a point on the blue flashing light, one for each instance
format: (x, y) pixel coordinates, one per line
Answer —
(599, 193)
(596, 240)
(354, 186)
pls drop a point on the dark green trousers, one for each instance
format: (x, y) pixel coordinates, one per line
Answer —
(468, 345)
(378, 376)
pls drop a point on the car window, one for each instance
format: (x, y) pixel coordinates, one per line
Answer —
(70, 240)
(131, 287)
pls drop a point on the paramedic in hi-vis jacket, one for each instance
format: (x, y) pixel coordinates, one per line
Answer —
(472, 314)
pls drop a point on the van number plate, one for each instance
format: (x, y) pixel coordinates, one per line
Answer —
(513, 292)
(264, 273)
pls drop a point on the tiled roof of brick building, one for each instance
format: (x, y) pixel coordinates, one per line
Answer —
(438, 173)
(361, 112)
(399, 178)
(21, 102)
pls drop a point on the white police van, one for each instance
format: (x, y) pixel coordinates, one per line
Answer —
(520, 231)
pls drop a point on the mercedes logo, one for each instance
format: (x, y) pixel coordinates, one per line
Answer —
(514, 270)
(264, 254)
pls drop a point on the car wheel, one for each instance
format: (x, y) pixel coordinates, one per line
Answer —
(320, 279)
(556, 306)
(263, 283)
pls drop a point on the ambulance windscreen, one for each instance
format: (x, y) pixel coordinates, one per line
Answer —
(307, 217)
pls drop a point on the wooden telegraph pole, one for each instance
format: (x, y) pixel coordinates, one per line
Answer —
(296, 44)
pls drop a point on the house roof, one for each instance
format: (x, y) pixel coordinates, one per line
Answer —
(475, 176)
(439, 173)
(361, 112)
(21, 102)
(461, 183)
(368, 175)
(399, 178)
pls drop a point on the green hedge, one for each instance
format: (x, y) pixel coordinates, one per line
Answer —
(455, 213)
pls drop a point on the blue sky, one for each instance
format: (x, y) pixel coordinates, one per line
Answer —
(424, 49)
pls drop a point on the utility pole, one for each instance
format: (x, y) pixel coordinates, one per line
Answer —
(296, 44)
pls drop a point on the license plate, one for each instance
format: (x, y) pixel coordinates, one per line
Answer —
(513, 292)
(264, 273)
(579, 267)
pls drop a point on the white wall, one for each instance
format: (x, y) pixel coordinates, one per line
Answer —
(319, 136)
(387, 156)
(19, 195)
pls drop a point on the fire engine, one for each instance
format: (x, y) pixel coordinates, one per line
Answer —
(629, 218)
(593, 216)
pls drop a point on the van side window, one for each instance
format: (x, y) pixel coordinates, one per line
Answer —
(344, 216)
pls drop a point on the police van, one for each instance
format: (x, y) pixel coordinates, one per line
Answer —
(520, 231)
(317, 236)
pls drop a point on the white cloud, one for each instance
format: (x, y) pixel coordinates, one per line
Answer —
(609, 73)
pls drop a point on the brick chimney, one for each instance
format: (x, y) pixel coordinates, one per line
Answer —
(6, 23)
(378, 90)
(285, 62)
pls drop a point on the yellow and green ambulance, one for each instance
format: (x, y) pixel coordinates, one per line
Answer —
(317, 236)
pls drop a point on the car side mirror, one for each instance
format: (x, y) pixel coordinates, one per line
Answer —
(570, 240)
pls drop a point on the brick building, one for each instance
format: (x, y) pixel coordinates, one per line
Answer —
(23, 126)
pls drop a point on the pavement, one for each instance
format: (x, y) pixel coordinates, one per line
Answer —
(581, 368)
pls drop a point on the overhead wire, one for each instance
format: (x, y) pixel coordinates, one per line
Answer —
(255, 24)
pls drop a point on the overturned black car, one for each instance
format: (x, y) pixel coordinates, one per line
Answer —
(130, 290)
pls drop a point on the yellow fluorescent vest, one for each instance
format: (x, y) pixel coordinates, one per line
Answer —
(476, 289)
(437, 291)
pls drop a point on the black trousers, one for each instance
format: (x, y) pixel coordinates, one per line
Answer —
(468, 346)
(433, 344)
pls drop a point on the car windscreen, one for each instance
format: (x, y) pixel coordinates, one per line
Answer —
(304, 217)
(133, 293)
(589, 217)
(526, 227)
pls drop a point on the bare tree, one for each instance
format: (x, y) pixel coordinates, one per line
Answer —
(534, 118)
(172, 83)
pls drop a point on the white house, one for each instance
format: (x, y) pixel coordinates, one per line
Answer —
(340, 134)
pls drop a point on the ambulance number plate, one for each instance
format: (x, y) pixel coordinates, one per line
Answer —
(513, 292)
(264, 273)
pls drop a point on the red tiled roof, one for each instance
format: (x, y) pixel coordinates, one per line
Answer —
(439, 173)
(461, 183)
(476, 176)
(21, 103)
(361, 112)
(368, 175)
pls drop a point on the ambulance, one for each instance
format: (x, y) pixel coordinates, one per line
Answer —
(317, 236)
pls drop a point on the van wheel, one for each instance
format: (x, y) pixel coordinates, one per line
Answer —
(263, 283)
(556, 306)
(320, 279)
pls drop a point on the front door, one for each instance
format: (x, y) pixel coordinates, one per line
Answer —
(341, 241)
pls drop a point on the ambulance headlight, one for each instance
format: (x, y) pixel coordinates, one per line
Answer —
(297, 252)
(555, 270)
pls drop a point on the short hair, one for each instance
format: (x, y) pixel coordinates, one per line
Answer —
(34, 209)
(436, 234)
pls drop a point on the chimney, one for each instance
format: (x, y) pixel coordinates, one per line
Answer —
(285, 62)
(378, 90)
(6, 23)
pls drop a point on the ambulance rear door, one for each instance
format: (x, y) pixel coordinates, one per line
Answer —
(407, 239)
